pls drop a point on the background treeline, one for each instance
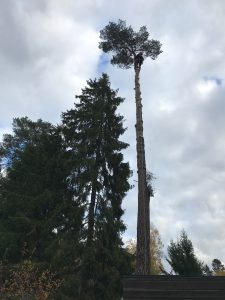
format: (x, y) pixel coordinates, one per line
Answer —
(183, 260)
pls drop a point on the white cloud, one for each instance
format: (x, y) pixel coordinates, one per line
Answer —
(205, 88)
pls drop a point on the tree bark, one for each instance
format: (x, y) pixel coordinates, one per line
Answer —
(91, 215)
(91, 210)
(143, 217)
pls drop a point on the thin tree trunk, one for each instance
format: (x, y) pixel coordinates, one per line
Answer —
(91, 210)
(143, 218)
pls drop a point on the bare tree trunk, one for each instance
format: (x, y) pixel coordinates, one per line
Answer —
(143, 218)
(91, 210)
(91, 215)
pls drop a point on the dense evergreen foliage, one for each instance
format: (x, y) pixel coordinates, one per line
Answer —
(34, 193)
(182, 258)
(92, 130)
(61, 191)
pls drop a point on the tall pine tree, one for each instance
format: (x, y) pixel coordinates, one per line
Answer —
(130, 48)
(92, 131)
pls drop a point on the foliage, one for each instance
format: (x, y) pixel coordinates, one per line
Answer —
(40, 218)
(26, 282)
(218, 267)
(61, 191)
(182, 258)
(92, 130)
(149, 179)
(125, 43)
(36, 206)
(156, 247)
(206, 271)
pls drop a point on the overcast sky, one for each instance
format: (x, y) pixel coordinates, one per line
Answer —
(49, 48)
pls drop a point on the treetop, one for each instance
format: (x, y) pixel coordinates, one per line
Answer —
(125, 43)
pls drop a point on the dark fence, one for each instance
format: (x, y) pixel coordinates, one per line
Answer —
(173, 287)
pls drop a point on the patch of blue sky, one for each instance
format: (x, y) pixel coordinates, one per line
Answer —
(103, 61)
(217, 80)
(6, 161)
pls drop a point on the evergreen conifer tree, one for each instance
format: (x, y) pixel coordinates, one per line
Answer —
(92, 130)
(36, 205)
(182, 258)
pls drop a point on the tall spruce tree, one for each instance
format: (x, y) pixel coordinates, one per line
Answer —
(92, 131)
(129, 49)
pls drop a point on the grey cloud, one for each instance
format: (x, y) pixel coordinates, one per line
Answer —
(13, 34)
(48, 49)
